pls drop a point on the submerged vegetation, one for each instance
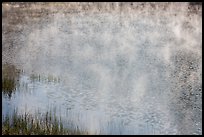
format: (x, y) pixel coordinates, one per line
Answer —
(49, 78)
(27, 124)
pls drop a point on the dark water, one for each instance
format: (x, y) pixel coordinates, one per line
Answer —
(107, 70)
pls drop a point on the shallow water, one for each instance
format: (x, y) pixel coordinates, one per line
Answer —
(107, 68)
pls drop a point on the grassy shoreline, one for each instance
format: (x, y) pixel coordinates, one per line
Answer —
(26, 124)
(32, 125)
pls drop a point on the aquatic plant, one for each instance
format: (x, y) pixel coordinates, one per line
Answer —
(26, 124)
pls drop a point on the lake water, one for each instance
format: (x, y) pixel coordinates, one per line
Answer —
(121, 68)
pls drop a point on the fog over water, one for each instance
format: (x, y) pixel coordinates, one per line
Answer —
(109, 68)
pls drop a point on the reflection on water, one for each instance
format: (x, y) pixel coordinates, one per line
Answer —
(118, 71)
(10, 79)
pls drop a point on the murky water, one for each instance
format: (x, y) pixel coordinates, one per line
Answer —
(121, 68)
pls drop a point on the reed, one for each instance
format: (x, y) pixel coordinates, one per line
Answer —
(27, 124)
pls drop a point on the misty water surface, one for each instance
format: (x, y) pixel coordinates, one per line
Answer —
(109, 68)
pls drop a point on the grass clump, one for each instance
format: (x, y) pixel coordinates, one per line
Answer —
(30, 125)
